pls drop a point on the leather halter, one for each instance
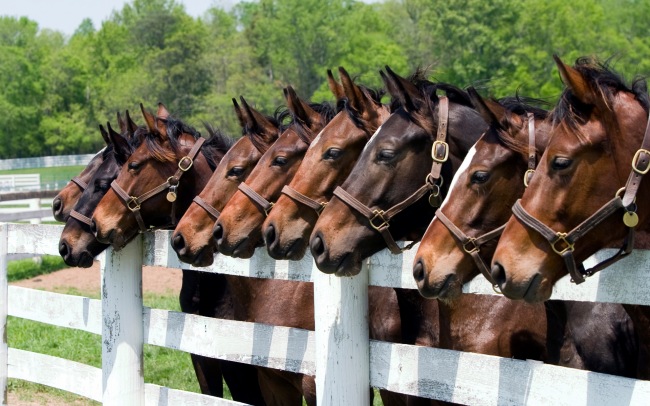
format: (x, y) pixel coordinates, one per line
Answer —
(77, 181)
(640, 166)
(260, 202)
(301, 198)
(380, 219)
(472, 245)
(133, 203)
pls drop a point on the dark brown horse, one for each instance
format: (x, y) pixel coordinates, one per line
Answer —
(192, 239)
(68, 196)
(237, 232)
(584, 179)
(326, 164)
(492, 176)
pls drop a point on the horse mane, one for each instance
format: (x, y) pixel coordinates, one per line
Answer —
(601, 77)
(521, 106)
(218, 142)
(325, 110)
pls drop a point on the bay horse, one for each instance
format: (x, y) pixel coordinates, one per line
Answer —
(65, 200)
(460, 240)
(192, 239)
(583, 196)
(238, 230)
(164, 150)
(326, 164)
(78, 245)
(390, 171)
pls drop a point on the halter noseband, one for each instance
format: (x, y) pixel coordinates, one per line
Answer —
(472, 245)
(640, 166)
(73, 213)
(77, 181)
(380, 219)
(133, 203)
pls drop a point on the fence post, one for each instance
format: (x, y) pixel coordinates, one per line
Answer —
(122, 331)
(342, 343)
(4, 299)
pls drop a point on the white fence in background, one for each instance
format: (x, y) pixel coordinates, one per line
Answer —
(45, 161)
(20, 183)
(339, 352)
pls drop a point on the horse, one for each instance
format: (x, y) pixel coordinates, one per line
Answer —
(192, 238)
(461, 238)
(237, 231)
(66, 199)
(164, 150)
(582, 190)
(78, 245)
(389, 173)
(326, 164)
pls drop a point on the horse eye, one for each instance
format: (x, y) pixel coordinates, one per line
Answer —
(279, 161)
(332, 153)
(559, 163)
(134, 166)
(479, 177)
(236, 171)
(385, 155)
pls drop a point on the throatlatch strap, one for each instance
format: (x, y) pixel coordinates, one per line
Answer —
(264, 205)
(207, 207)
(307, 201)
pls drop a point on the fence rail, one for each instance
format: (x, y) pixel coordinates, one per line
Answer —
(441, 374)
(45, 161)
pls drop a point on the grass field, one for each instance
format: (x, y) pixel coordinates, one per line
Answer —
(60, 174)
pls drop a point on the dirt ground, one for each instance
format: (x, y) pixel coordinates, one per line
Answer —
(87, 280)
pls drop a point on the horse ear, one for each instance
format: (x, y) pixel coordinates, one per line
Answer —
(149, 119)
(161, 120)
(120, 144)
(259, 123)
(301, 111)
(576, 82)
(240, 113)
(104, 133)
(162, 111)
(335, 87)
(404, 91)
(493, 113)
(354, 94)
(121, 123)
(131, 126)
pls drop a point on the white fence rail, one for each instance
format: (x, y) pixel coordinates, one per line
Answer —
(339, 353)
(20, 182)
(45, 161)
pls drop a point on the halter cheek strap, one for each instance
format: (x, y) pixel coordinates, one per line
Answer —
(640, 166)
(133, 203)
(380, 219)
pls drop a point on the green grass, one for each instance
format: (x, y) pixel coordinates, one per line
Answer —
(62, 174)
(27, 268)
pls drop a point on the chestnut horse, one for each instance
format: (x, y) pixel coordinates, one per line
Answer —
(326, 164)
(459, 244)
(582, 189)
(65, 200)
(389, 172)
(237, 231)
(192, 239)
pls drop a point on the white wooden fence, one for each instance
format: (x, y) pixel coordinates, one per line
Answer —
(339, 352)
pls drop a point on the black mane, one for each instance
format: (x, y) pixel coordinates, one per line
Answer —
(218, 142)
(325, 110)
(521, 106)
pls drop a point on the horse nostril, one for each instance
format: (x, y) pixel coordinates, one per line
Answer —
(269, 235)
(178, 242)
(217, 233)
(57, 205)
(498, 274)
(317, 246)
(63, 249)
(418, 271)
(93, 227)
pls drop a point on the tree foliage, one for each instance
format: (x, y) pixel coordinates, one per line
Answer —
(56, 89)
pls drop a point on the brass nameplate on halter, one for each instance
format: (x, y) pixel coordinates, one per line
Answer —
(630, 219)
(171, 197)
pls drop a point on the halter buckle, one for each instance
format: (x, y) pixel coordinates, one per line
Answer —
(528, 176)
(379, 214)
(267, 210)
(186, 168)
(470, 246)
(562, 237)
(434, 151)
(133, 204)
(635, 160)
(322, 207)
